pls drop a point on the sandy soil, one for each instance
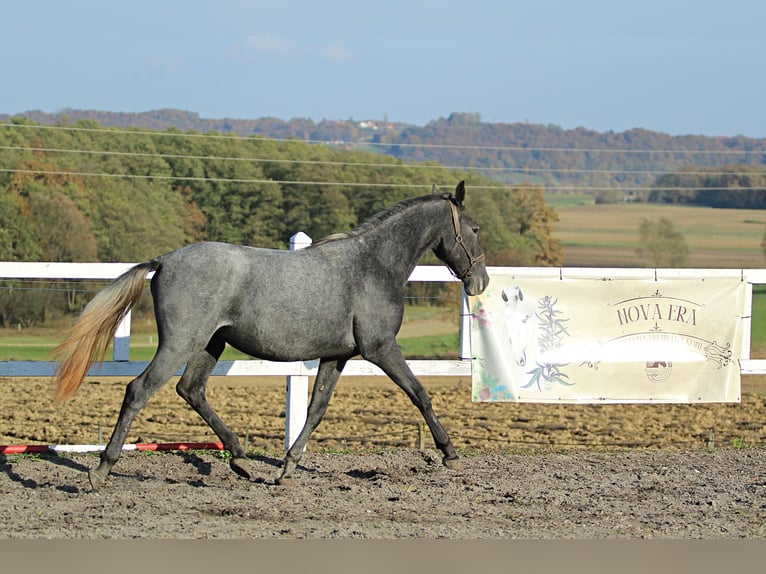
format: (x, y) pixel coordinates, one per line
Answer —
(530, 471)
(399, 494)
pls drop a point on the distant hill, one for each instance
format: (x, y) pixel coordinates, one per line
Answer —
(164, 119)
(563, 160)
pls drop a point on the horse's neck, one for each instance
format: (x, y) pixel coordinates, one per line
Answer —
(401, 241)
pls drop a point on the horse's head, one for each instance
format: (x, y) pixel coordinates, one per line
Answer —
(518, 323)
(459, 245)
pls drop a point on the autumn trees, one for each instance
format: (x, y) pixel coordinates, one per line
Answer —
(732, 186)
(661, 244)
(613, 166)
(519, 225)
(86, 193)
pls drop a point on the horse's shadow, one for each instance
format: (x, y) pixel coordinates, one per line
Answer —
(203, 467)
(6, 467)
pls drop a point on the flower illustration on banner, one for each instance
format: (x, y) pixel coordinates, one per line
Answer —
(487, 387)
(480, 317)
(552, 334)
(490, 388)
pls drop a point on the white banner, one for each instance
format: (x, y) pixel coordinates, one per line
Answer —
(608, 340)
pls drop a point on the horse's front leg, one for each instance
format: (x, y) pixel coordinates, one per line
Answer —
(389, 358)
(324, 385)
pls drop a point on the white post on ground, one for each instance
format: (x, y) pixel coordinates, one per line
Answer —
(297, 400)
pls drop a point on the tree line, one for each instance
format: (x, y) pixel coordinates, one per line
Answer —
(610, 165)
(86, 193)
(737, 186)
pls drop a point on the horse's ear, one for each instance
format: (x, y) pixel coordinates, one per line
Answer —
(460, 193)
(434, 190)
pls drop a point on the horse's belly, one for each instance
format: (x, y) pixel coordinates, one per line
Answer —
(291, 343)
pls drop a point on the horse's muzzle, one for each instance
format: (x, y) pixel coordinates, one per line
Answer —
(476, 283)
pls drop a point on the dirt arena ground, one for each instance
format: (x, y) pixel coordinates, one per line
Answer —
(530, 471)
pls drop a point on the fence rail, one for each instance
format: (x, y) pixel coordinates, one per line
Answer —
(298, 372)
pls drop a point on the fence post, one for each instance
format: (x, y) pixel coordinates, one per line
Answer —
(297, 399)
(121, 348)
(465, 329)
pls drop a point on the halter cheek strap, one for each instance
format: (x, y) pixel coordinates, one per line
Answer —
(459, 241)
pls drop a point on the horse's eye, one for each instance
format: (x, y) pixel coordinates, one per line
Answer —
(476, 230)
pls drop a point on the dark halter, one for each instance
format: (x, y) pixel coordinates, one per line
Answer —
(459, 241)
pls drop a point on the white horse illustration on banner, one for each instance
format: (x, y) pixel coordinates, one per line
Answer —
(519, 325)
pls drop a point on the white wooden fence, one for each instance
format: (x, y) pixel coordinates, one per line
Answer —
(297, 373)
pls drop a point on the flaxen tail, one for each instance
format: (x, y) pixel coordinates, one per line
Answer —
(88, 340)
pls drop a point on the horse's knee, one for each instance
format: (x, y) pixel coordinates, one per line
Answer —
(191, 392)
(182, 389)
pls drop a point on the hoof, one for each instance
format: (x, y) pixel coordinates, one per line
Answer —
(453, 463)
(284, 481)
(241, 466)
(97, 479)
(288, 467)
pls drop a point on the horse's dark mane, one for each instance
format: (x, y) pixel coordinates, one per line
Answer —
(380, 217)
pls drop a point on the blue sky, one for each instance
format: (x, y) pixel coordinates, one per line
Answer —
(675, 66)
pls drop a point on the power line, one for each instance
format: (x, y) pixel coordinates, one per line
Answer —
(225, 179)
(353, 184)
(394, 163)
(397, 164)
(520, 148)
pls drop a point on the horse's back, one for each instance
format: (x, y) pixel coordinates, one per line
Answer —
(220, 263)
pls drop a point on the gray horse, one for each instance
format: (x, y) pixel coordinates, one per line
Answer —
(340, 298)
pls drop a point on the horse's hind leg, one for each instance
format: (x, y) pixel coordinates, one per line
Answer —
(389, 358)
(324, 385)
(138, 391)
(192, 388)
